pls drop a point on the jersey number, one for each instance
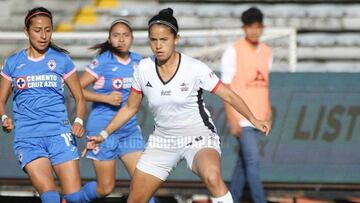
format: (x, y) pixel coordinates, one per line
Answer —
(68, 138)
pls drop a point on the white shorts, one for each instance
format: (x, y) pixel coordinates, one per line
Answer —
(163, 151)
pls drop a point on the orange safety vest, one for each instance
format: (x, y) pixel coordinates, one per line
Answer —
(251, 78)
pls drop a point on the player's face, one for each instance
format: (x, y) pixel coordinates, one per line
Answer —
(121, 37)
(39, 32)
(253, 32)
(162, 41)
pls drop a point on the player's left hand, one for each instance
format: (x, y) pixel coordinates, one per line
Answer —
(92, 143)
(77, 129)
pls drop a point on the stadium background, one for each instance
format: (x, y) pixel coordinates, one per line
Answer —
(312, 153)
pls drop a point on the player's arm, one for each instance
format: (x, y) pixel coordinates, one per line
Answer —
(5, 87)
(228, 70)
(74, 86)
(114, 98)
(131, 107)
(240, 106)
(233, 122)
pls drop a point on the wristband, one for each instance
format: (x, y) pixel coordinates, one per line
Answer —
(4, 117)
(104, 134)
(79, 121)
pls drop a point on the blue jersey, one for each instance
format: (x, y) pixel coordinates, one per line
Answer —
(111, 75)
(38, 99)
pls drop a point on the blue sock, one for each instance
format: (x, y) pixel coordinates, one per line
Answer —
(89, 192)
(50, 197)
(76, 197)
(152, 200)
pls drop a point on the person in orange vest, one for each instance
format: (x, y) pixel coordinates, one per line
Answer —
(245, 67)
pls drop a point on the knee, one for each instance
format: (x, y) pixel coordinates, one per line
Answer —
(104, 188)
(212, 178)
(136, 197)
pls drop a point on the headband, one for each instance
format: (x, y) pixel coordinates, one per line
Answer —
(121, 21)
(164, 23)
(36, 13)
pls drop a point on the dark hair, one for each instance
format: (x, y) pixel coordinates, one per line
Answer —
(106, 46)
(41, 11)
(165, 17)
(252, 15)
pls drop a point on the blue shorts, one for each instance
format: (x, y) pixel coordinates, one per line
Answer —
(117, 145)
(58, 149)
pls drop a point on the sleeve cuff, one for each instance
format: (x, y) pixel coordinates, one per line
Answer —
(216, 86)
(65, 76)
(92, 73)
(6, 76)
(135, 90)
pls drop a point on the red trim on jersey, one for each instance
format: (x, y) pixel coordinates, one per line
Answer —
(6, 76)
(65, 76)
(135, 90)
(92, 73)
(216, 86)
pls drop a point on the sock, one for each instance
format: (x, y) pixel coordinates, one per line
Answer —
(75, 197)
(152, 200)
(227, 198)
(89, 192)
(50, 197)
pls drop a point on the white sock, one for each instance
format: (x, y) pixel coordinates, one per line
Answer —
(227, 198)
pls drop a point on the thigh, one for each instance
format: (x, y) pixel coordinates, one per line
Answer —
(143, 186)
(69, 176)
(41, 176)
(105, 171)
(205, 140)
(206, 161)
(130, 161)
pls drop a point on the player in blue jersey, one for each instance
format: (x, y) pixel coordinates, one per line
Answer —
(44, 137)
(111, 72)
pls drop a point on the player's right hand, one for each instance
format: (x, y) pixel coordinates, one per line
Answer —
(7, 125)
(114, 98)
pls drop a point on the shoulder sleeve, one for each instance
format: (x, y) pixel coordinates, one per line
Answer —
(228, 64)
(94, 68)
(208, 79)
(136, 83)
(69, 67)
(5, 70)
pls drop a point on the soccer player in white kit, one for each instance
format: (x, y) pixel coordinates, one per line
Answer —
(173, 84)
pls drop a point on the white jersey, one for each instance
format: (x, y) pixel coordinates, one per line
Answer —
(178, 103)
